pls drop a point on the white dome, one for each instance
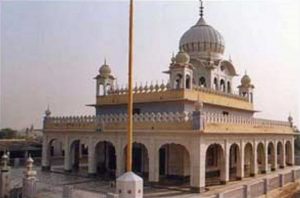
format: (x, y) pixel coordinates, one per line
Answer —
(182, 57)
(202, 39)
(105, 70)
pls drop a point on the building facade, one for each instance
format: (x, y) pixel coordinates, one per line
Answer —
(193, 129)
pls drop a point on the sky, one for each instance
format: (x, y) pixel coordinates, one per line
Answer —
(52, 50)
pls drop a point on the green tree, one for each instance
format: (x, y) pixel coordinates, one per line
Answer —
(7, 133)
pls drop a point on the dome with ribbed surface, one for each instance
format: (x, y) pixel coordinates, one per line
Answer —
(202, 39)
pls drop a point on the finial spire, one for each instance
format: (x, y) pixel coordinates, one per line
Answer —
(201, 8)
(104, 60)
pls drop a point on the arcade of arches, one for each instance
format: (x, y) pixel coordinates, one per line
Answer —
(211, 163)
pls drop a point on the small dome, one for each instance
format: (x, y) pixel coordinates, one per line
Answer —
(105, 70)
(182, 57)
(202, 39)
(246, 80)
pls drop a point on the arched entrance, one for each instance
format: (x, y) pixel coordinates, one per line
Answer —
(55, 153)
(234, 162)
(174, 164)
(289, 154)
(249, 160)
(215, 165)
(261, 158)
(105, 159)
(271, 156)
(280, 155)
(140, 159)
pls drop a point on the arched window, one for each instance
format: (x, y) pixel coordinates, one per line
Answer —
(178, 81)
(187, 82)
(107, 89)
(202, 82)
(222, 85)
(101, 90)
(228, 87)
(216, 87)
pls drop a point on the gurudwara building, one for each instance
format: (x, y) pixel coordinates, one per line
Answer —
(195, 128)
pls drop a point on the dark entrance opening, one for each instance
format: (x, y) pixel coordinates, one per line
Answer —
(162, 161)
(76, 161)
(137, 159)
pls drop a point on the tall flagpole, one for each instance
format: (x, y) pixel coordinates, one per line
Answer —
(130, 95)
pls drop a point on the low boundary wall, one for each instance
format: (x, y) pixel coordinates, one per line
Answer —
(261, 186)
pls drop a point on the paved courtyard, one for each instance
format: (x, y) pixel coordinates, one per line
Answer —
(50, 185)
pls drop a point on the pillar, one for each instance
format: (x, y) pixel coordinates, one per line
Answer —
(225, 164)
(265, 162)
(197, 160)
(255, 167)
(292, 162)
(153, 153)
(91, 159)
(240, 162)
(67, 157)
(45, 154)
(120, 166)
(275, 158)
(283, 155)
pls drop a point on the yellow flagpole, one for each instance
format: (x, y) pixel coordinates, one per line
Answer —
(130, 94)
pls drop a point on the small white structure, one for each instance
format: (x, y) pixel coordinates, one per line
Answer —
(4, 177)
(29, 181)
(130, 185)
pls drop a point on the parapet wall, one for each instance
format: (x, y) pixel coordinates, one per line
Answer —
(210, 122)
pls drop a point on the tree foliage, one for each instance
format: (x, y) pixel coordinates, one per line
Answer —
(7, 133)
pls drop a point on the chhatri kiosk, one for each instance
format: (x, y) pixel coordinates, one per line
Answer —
(194, 129)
